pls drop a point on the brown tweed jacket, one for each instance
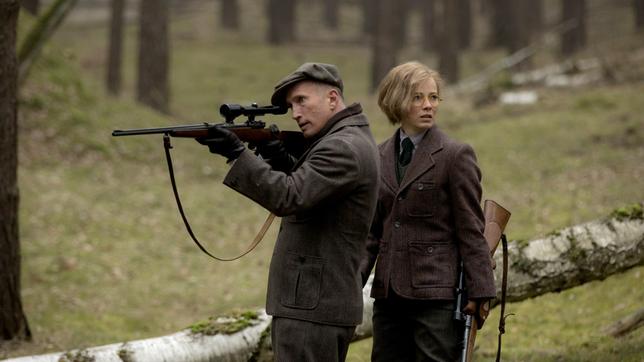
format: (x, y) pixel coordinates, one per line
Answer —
(430, 221)
(327, 204)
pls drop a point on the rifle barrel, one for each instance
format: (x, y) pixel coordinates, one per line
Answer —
(160, 130)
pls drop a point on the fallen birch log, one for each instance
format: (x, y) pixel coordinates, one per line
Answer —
(185, 346)
(575, 255)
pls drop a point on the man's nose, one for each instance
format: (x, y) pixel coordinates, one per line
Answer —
(295, 113)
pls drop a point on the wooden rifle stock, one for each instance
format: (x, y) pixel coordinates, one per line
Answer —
(496, 219)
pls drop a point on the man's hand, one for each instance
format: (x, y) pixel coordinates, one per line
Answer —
(223, 142)
(480, 309)
(276, 155)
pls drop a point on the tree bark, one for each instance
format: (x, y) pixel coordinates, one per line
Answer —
(500, 28)
(573, 256)
(384, 47)
(153, 64)
(281, 21)
(639, 14)
(229, 14)
(31, 6)
(429, 25)
(448, 62)
(464, 10)
(368, 17)
(331, 13)
(116, 47)
(575, 38)
(13, 322)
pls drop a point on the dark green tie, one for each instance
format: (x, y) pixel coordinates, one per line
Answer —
(407, 152)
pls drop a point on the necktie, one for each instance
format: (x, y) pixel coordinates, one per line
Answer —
(407, 151)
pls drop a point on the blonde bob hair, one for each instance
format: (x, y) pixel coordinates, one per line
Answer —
(398, 86)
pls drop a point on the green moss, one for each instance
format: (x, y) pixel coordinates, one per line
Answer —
(629, 212)
(77, 356)
(228, 324)
(125, 354)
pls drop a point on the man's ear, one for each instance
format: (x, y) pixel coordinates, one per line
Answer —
(333, 96)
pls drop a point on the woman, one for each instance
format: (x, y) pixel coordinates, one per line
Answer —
(428, 221)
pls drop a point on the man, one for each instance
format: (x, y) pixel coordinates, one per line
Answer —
(326, 199)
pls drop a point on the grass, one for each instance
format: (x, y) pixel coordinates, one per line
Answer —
(105, 255)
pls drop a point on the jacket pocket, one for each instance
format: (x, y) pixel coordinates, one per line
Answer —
(432, 264)
(421, 199)
(302, 281)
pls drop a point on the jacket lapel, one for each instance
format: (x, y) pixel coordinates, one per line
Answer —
(388, 162)
(423, 160)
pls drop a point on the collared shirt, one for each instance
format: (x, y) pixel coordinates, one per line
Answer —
(415, 139)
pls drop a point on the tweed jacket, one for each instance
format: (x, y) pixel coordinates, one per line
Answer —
(326, 203)
(426, 224)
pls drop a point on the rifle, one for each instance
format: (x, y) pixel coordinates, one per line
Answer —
(251, 131)
(496, 218)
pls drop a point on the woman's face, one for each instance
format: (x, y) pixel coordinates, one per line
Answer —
(423, 108)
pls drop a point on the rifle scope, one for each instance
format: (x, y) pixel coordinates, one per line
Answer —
(232, 111)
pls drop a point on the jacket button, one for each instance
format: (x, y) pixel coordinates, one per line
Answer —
(400, 198)
(397, 224)
(430, 249)
(420, 186)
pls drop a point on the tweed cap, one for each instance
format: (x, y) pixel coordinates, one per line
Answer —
(318, 72)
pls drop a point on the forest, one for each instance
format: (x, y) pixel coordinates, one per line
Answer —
(93, 251)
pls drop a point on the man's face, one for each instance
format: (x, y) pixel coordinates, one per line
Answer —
(311, 106)
(423, 108)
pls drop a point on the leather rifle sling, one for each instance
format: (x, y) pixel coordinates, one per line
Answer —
(504, 287)
(260, 235)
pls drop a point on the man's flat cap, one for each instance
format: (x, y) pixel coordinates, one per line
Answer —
(318, 72)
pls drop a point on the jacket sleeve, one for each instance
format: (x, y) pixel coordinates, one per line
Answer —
(372, 245)
(330, 170)
(465, 192)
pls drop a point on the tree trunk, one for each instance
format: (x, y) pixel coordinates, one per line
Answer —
(331, 13)
(281, 21)
(429, 25)
(464, 11)
(448, 63)
(384, 47)
(31, 6)
(639, 14)
(116, 46)
(535, 18)
(575, 38)
(368, 17)
(13, 322)
(500, 30)
(152, 86)
(520, 25)
(229, 14)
